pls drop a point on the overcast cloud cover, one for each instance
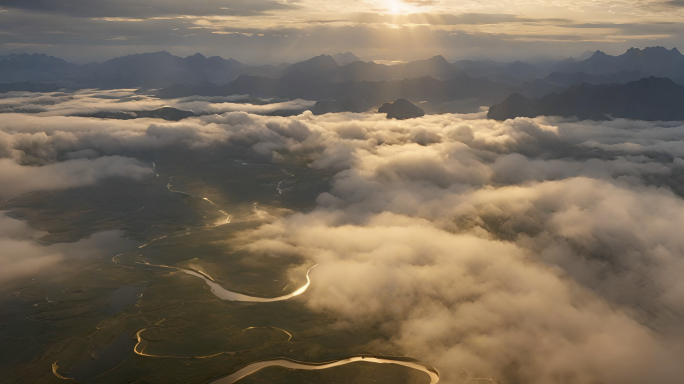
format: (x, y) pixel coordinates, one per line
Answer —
(262, 31)
(525, 251)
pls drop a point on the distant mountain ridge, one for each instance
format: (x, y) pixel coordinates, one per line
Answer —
(478, 91)
(648, 99)
(162, 69)
(159, 69)
(146, 70)
(568, 79)
(350, 85)
(325, 68)
(652, 61)
(16, 68)
(516, 70)
(344, 58)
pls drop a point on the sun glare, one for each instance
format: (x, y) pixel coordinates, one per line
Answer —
(396, 7)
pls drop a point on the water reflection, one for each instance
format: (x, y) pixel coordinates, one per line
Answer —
(250, 369)
(227, 295)
(123, 297)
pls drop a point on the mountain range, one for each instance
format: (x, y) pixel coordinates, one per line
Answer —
(476, 91)
(653, 61)
(650, 99)
(439, 85)
(162, 69)
(36, 67)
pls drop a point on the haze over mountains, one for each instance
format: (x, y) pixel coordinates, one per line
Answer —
(462, 86)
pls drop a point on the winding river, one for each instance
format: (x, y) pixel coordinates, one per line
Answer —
(227, 295)
(250, 369)
(218, 223)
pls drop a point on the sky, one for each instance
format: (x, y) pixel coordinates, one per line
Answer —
(275, 31)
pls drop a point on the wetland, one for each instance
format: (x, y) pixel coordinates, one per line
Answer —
(154, 286)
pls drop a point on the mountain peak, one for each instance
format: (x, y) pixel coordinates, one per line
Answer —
(599, 54)
(657, 49)
(159, 53)
(585, 55)
(344, 58)
(314, 64)
(401, 109)
(656, 52)
(654, 80)
(438, 60)
(325, 60)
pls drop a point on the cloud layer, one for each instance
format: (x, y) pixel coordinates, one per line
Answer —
(148, 8)
(16, 179)
(471, 246)
(531, 250)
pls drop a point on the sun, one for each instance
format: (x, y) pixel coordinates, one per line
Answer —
(396, 7)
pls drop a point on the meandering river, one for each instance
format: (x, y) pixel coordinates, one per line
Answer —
(227, 295)
(250, 369)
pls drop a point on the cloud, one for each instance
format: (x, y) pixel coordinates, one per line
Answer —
(89, 101)
(20, 257)
(532, 250)
(149, 8)
(516, 169)
(16, 179)
(219, 108)
(468, 303)
(23, 255)
(673, 3)
(417, 2)
(560, 279)
(503, 250)
(275, 32)
(448, 19)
